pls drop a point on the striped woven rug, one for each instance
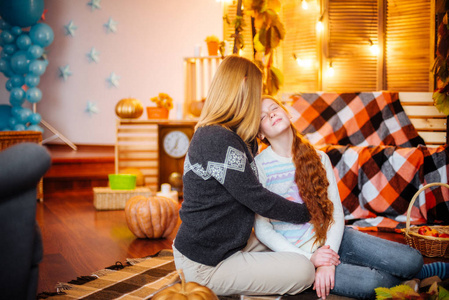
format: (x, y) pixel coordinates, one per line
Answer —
(140, 278)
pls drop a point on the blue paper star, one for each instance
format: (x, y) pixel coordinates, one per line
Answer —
(93, 55)
(113, 80)
(70, 28)
(65, 72)
(111, 25)
(91, 108)
(94, 4)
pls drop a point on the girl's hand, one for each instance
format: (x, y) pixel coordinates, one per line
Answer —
(325, 256)
(324, 281)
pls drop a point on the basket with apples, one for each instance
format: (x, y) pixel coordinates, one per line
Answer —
(431, 241)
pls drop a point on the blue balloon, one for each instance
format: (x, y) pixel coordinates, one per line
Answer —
(4, 65)
(8, 85)
(33, 95)
(41, 34)
(37, 67)
(19, 127)
(16, 30)
(22, 13)
(20, 62)
(4, 55)
(10, 49)
(17, 96)
(35, 51)
(6, 37)
(23, 115)
(5, 114)
(17, 80)
(23, 42)
(35, 128)
(34, 118)
(4, 24)
(32, 80)
(12, 122)
(15, 111)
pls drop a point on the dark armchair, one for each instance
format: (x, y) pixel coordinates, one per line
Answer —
(21, 168)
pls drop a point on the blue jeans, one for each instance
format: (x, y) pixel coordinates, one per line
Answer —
(368, 262)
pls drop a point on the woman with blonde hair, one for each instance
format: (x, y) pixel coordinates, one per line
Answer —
(291, 167)
(214, 245)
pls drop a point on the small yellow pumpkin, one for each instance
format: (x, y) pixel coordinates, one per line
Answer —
(140, 178)
(129, 108)
(153, 217)
(186, 291)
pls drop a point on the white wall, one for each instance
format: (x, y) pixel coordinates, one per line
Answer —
(146, 51)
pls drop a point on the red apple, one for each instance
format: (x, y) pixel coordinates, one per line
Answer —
(423, 229)
(443, 235)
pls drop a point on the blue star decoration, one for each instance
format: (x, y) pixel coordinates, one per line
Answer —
(111, 25)
(94, 4)
(113, 80)
(91, 108)
(93, 55)
(65, 72)
(70, 28)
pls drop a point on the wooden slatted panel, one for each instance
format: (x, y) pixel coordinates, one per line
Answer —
(428, 121)
(300, 40)
(409, 40)
(198, 74)
(230, 10)
(137, 147)
(352, 23)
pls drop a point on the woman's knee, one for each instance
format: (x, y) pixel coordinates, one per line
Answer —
(304, 271)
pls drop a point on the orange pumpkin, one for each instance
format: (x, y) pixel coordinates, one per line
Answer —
(185, 291)
(129, 108)
(152, 217)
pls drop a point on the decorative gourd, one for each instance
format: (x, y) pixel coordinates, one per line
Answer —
(140, 179)
(185, 291)
(153, 217)
(129, 108)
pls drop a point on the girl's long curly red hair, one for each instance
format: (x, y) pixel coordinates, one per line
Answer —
(311, 179)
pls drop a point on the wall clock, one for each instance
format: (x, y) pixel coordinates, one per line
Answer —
(175, 143)
(174, 140)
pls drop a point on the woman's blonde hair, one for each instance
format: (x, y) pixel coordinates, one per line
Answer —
(311, 179)
(234, 98)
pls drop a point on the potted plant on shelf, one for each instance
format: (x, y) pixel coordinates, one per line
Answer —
(163, 105)
(213, 43)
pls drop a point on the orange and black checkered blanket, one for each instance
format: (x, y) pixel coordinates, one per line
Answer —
(357, 119)
(377, 183)
(379, 159)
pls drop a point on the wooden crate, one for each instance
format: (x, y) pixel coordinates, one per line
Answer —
(10, 138)
(107, 199)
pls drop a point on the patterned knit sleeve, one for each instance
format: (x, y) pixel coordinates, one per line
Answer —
(219, 154)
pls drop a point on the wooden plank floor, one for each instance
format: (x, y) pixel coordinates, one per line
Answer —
(79, 240)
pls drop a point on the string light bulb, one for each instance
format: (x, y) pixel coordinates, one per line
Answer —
(373, 48)
(330, 70)
(304, 4)
(319, 26)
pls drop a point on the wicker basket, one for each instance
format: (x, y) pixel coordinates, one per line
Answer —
(10, 138)
(428, 245)
(107, 199)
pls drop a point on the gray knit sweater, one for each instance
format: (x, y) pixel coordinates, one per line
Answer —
(222, 195)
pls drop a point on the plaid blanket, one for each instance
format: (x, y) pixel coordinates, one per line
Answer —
(376, 184)
(357, 119)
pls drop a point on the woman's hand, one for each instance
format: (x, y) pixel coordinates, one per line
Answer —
(325, 256)
(324, 281)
